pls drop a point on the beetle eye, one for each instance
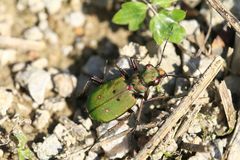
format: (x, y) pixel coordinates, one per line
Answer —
(161, 72)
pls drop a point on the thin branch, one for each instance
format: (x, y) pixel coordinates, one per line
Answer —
(150, 6)
(227, 15)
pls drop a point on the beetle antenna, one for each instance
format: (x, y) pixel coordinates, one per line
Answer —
(164, 47)
(162, 52)
(179, 76)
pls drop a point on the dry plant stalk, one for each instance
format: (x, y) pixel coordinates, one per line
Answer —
(187, 122)
(233, 147)
(21, 44)
(183, 108)
(227, 15)
(229, 110)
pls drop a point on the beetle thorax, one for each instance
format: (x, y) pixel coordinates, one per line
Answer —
(150, 75)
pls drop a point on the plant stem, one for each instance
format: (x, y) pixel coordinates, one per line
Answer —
(150, 6)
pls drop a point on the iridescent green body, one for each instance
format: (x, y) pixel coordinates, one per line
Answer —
(113, 98)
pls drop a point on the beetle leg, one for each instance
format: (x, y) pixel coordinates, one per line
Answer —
(145, 96)
(122, 71)
(140, 111)
(134, 64)
(94, 79)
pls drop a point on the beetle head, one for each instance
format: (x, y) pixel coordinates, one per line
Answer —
(152, 75)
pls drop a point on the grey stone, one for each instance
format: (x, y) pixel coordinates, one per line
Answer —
(118, 147)
(36, 81)
(49, 148)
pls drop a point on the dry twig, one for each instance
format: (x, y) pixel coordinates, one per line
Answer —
(227, 15)
(230, 112)
(233, 147)
(183, 108)
(21, 44)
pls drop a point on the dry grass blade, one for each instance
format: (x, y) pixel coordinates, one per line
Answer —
(183, 108)
(230, 112)
(21, 44)
(234, 145)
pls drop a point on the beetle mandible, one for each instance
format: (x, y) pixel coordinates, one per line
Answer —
(113, 98)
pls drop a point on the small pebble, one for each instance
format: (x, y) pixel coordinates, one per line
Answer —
(49, 148)
(21, 5)
(33, 33)
(40, 63)
(6, 99)
(132, 49)
(54, 104)
(1, 153)
(18, 67)
(201, 156)
(122, 143)
(35, 5)
(42, 16)
(7, 56)
(43, 25)
(75, 19)
(91, 155)
(64, 135)
(66, 50)
(195, 128)
(89, 141)
(53, 6)
(36, 81)
(87, 123)
(51, 37)
(64, 84)
(42, 118)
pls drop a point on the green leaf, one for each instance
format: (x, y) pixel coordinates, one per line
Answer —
(23, 151)
(164, 27)
(178, 33)
(163, 3)
(24, 154)
(176, 14)
(131, 14)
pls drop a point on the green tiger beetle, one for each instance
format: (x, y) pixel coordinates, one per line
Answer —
(113, 98)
